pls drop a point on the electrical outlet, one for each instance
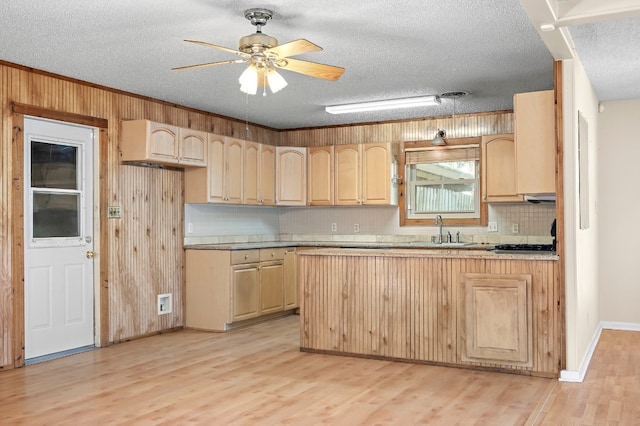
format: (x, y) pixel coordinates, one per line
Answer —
(113, 212)
(334, 227)
(493, 227)
(189, 228)
(356, 227)
(515, 228)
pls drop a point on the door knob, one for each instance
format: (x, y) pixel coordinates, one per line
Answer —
(91, 254)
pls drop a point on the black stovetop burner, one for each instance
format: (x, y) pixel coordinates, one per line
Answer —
(523, 247)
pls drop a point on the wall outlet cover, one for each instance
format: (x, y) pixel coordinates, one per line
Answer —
(356, 227)
(334, 227)
(165, 303)
(113, 212)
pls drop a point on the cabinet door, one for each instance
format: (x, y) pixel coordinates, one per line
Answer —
(497, 318)
(250, 168)
(163, 143)
(291, 176)
(267, 181)
(320, 176)
(376, 173)
(290, 279)
(347, 175)
(215, 169)
(193, 148)
(233, 149)
(272, 287)
(499, 169)
(246, 292)
(535, 139)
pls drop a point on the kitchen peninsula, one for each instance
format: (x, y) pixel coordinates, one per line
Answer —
(468, 308)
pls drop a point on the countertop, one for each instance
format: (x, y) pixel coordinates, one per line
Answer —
(430, 252)
(397, 249)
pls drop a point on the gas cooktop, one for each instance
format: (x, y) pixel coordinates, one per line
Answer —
(519, 248)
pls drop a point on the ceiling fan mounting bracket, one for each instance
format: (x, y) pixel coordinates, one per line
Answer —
(258, 16)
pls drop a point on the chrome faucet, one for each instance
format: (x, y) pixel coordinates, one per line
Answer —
(439, 222)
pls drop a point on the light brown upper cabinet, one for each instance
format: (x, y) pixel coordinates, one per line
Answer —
(320, 176)
(259, 174)
(291, 176)
(221, 181)
(267, 175)
(535, 139)
(251, 154)
(147, 141)
(499, 169)
(363, 174)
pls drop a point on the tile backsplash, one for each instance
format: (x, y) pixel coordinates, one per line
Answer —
(209, 223)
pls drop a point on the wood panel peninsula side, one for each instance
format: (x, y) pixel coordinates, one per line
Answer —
(474, 309)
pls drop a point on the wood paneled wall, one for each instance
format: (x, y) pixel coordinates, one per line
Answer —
(460, 126)
(131, 284)
(150, 238)
(145, 246)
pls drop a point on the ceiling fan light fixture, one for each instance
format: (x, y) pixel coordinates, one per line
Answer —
(275, 80)
(249, 80)
(413, 102)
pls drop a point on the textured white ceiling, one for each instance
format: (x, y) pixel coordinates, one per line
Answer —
(390, 49)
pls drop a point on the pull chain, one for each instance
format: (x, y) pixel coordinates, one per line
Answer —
(246, 117)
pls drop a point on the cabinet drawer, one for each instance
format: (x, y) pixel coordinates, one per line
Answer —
(244, 256)
(272, 254)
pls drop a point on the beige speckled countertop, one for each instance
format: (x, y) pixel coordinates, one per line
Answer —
(395, 249)
(434, 252)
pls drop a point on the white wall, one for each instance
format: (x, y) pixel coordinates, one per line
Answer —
(581, 255)
(619, 196)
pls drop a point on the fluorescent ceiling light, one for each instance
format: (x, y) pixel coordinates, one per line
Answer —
(417, 101)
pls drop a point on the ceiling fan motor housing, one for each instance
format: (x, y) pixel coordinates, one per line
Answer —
(256, 42)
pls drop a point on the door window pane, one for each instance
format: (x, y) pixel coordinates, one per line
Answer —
(56, 215)
(54, 166)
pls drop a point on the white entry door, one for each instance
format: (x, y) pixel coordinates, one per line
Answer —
(58, 225)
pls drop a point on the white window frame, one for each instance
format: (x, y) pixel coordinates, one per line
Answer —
(80, 176)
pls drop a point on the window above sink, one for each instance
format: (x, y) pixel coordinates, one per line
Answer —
(442, 180)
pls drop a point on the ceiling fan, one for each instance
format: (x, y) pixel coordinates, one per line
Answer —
(264, 55)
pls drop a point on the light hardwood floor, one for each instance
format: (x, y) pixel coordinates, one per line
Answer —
(257, 375)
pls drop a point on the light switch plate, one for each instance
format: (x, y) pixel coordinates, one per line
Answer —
(493, 227)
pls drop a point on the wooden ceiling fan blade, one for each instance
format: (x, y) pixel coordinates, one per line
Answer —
(313, 69)
(208, 64)
(215, 46)
(292, 48)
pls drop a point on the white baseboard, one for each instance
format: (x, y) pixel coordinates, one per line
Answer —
(578, 376)
(624, 326)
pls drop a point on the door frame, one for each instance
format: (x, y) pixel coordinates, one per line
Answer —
(101, 268)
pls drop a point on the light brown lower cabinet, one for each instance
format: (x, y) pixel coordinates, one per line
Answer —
(224, 287)
(496, 319)
(479, 311)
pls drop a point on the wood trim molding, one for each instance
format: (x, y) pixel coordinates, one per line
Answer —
(68, 117)
(103, 202)
(561, 248)
(17, 240)
(404, 220)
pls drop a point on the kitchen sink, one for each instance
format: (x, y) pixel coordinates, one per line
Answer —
(437, 245)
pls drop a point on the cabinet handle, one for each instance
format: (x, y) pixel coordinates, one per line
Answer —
(246, 256)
